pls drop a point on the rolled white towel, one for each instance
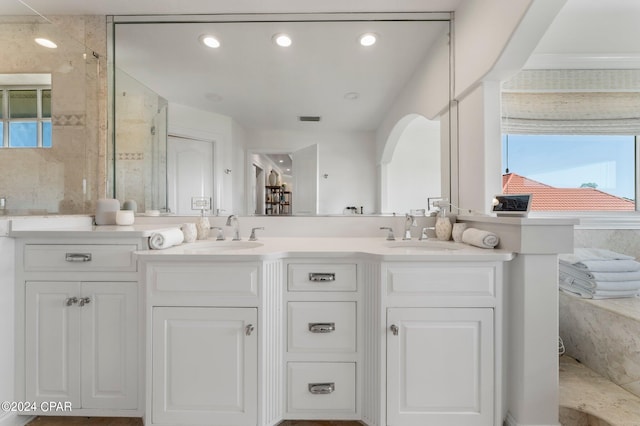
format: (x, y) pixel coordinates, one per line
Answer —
(480, 238)
(166, 238)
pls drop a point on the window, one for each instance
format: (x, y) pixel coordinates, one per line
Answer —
(569, 138)
(25, 117)
(571, 172)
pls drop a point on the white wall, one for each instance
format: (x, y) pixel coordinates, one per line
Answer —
(347, 158)
(413, 175)
(426, 93)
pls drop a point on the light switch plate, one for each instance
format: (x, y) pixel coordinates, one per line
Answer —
(200, 203)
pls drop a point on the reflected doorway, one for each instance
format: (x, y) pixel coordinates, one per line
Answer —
(189, 172)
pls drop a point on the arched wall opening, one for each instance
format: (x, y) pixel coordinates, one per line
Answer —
(410, 168)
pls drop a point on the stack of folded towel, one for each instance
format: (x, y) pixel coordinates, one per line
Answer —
(599, 274)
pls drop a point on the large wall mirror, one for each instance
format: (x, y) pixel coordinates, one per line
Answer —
(219, 108)
(49, 113)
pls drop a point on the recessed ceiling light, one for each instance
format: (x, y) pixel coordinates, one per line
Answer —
(368, 39)
(352, 96)
(46, 43)
(282, 40)
(209, 41)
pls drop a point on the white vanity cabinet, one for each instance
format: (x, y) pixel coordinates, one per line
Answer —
(81, 343)
(441, 344)
(323, 330)
(206, 321)
(78, 337)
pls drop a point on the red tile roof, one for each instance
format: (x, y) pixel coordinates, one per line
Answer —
(547, 197)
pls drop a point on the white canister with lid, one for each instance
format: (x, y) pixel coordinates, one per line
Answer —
(106, 210)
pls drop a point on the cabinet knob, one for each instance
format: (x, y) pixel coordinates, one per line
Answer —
(322, 388)
(249, 329)
(394, 329)
(85, 301)
(70, 301)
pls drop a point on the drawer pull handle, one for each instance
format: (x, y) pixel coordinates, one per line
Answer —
(394, 329)
(78, 257)
(70, 301)
(322, 276)
(322, 388)
(322, 327)
(249, 329)
(84, 301)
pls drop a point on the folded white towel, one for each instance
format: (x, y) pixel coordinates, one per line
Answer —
(613, 265)
(166, 238)
(599, 285)
(585, 274)
(480, 238)
(597, 294)
(581, 254)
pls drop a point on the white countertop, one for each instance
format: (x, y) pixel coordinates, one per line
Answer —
(106, 231)
(273, 248)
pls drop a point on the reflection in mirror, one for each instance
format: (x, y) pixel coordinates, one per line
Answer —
(50, 115)
(324, 93)
(141, 128)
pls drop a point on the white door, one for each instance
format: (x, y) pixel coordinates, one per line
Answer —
(440, 367)
(52, 339)
(204, 368)
(189, 173)
(109, 323)
(305, 181)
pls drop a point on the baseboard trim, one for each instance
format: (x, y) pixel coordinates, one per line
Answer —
(510, 421)
(12, 419)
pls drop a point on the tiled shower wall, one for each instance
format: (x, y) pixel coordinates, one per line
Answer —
(70, 176)
(625, 241)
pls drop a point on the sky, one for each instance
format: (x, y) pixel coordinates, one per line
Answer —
(570, 161)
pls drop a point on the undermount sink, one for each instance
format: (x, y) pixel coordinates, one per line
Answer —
(425, 245)
(208, 246)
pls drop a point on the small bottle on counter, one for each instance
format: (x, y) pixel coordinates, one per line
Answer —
(203, 226)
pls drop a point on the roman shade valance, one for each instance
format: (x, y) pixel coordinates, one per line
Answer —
(572, 102)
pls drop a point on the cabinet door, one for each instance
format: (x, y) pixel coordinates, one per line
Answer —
(109, 324)
(52, 342)
(204, 366)
(440, 367)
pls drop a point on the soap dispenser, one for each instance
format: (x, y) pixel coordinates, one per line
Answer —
(443, 226)
(203, 226)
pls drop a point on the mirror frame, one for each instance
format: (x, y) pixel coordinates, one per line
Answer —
(446, 115)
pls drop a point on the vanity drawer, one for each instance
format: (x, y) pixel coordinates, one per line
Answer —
(441, 280)
(321, 327)
(202, 283)
(75, 257)
(322, 277)
(326, 386)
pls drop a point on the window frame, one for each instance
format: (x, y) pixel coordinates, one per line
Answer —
(39, 119)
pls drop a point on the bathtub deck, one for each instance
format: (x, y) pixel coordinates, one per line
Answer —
(584, 390)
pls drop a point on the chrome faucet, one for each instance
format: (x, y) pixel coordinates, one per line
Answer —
(232, 220)
(409, 221)
(253, 237)
(390, 236)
